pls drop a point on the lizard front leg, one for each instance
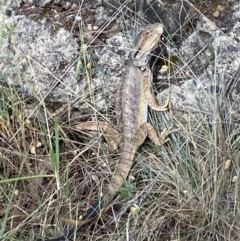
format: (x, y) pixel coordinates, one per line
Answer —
(111, 135)
(151, 99)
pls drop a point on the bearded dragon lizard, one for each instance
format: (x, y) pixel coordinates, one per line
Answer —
(135, 97)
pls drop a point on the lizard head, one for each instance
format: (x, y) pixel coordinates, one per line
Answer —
(146, 42)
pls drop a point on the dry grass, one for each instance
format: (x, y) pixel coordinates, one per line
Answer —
(185, 190)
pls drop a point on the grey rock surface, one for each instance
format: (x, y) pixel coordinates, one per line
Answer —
(50, 64)
(36, 55)
(210, 69)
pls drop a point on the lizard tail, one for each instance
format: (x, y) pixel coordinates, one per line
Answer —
(91, 214)
(123, 168)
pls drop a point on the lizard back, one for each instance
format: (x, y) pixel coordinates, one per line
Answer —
(133, 113)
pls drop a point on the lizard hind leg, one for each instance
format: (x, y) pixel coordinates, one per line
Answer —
(111, 135)
(146, 129)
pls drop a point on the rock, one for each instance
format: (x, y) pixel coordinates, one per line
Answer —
(209, 66)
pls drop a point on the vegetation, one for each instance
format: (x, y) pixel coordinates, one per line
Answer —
(185, 190)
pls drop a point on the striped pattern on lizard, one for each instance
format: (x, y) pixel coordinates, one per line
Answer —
(135, 97)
